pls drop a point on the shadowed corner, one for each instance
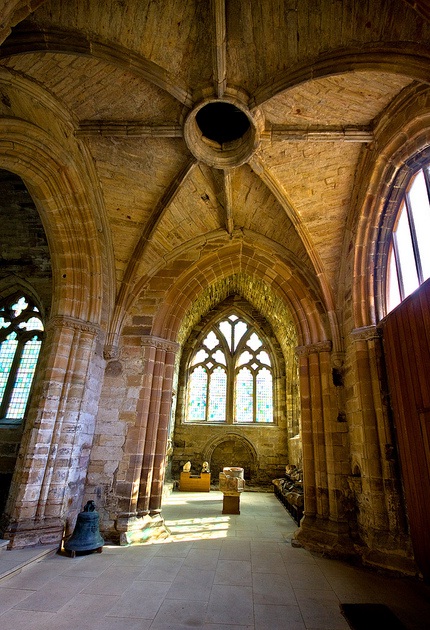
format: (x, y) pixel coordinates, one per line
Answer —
(370, 616)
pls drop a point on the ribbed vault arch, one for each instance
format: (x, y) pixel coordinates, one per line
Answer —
(383, 173)
(66, 213)
(277, 283)
(399, 59)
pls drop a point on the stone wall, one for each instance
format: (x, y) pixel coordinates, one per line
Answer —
(261, 451)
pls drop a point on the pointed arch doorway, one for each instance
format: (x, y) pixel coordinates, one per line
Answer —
(237, 396)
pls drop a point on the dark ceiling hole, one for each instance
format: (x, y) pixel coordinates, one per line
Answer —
(222, 122)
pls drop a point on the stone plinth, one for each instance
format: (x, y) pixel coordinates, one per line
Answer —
(231, 504)
(231, 484)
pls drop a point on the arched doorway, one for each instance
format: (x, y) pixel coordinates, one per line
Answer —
(233, 452)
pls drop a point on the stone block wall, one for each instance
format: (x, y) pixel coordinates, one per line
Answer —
(261, 451)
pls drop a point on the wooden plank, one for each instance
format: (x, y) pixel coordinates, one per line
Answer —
(195, 483)
(406, 334)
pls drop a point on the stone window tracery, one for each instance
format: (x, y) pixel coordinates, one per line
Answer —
(230, 375)
(21, 335)
(409, 255)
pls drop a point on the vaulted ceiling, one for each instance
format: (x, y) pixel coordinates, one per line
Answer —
(310, 79)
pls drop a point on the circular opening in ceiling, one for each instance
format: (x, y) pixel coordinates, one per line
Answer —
(222, 122)
(223, 133)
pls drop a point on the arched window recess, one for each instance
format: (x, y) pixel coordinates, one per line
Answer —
(21, 335)
(409, 254)
(401, 256)
(231, 374)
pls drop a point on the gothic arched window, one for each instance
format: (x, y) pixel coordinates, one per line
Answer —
(409, 253)
(230, 376)
(21, 333)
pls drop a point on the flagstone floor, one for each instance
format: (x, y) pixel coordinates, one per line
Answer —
(214, 572)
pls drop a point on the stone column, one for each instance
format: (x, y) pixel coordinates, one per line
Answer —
(47, 487)
(324, 525)
(381, 514)
(162, 432)
(147, 448)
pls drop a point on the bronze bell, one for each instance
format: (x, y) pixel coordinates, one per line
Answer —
(86, 535)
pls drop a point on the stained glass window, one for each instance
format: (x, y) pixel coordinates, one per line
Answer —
(7, 353)
(217, 396)
(21, 333)
(409, 256)
(197, 395)
(230, 376)
(264, 399)
(244, 396)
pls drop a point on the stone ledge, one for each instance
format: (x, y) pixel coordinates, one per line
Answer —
(14, 560)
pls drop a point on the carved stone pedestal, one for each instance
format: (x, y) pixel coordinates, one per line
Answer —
(231, 504)
(231, 484)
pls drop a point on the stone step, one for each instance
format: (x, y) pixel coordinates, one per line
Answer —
(14, 560)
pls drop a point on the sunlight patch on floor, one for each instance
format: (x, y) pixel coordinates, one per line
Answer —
(198, 528)
(209, 525)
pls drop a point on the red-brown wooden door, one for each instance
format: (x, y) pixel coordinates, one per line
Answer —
(406, 334)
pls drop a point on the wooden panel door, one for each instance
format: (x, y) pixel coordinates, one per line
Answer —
(406, 334)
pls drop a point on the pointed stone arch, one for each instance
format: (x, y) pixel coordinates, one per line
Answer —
(65, 210)
(281, 278)
(246, 446)
(401, 148)
(70, 213)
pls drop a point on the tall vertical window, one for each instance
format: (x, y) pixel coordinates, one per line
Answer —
(230, 376)
(409, 254)
(21, 333)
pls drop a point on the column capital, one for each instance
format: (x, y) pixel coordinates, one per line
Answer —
(159, 343)
(314, 348)
(366, 333)
(65, 321)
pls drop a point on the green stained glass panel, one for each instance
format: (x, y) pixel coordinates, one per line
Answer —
(244, 396)
(197, 395)
(23, 380)
(264, 395)
(7, 353)
(217, 396)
